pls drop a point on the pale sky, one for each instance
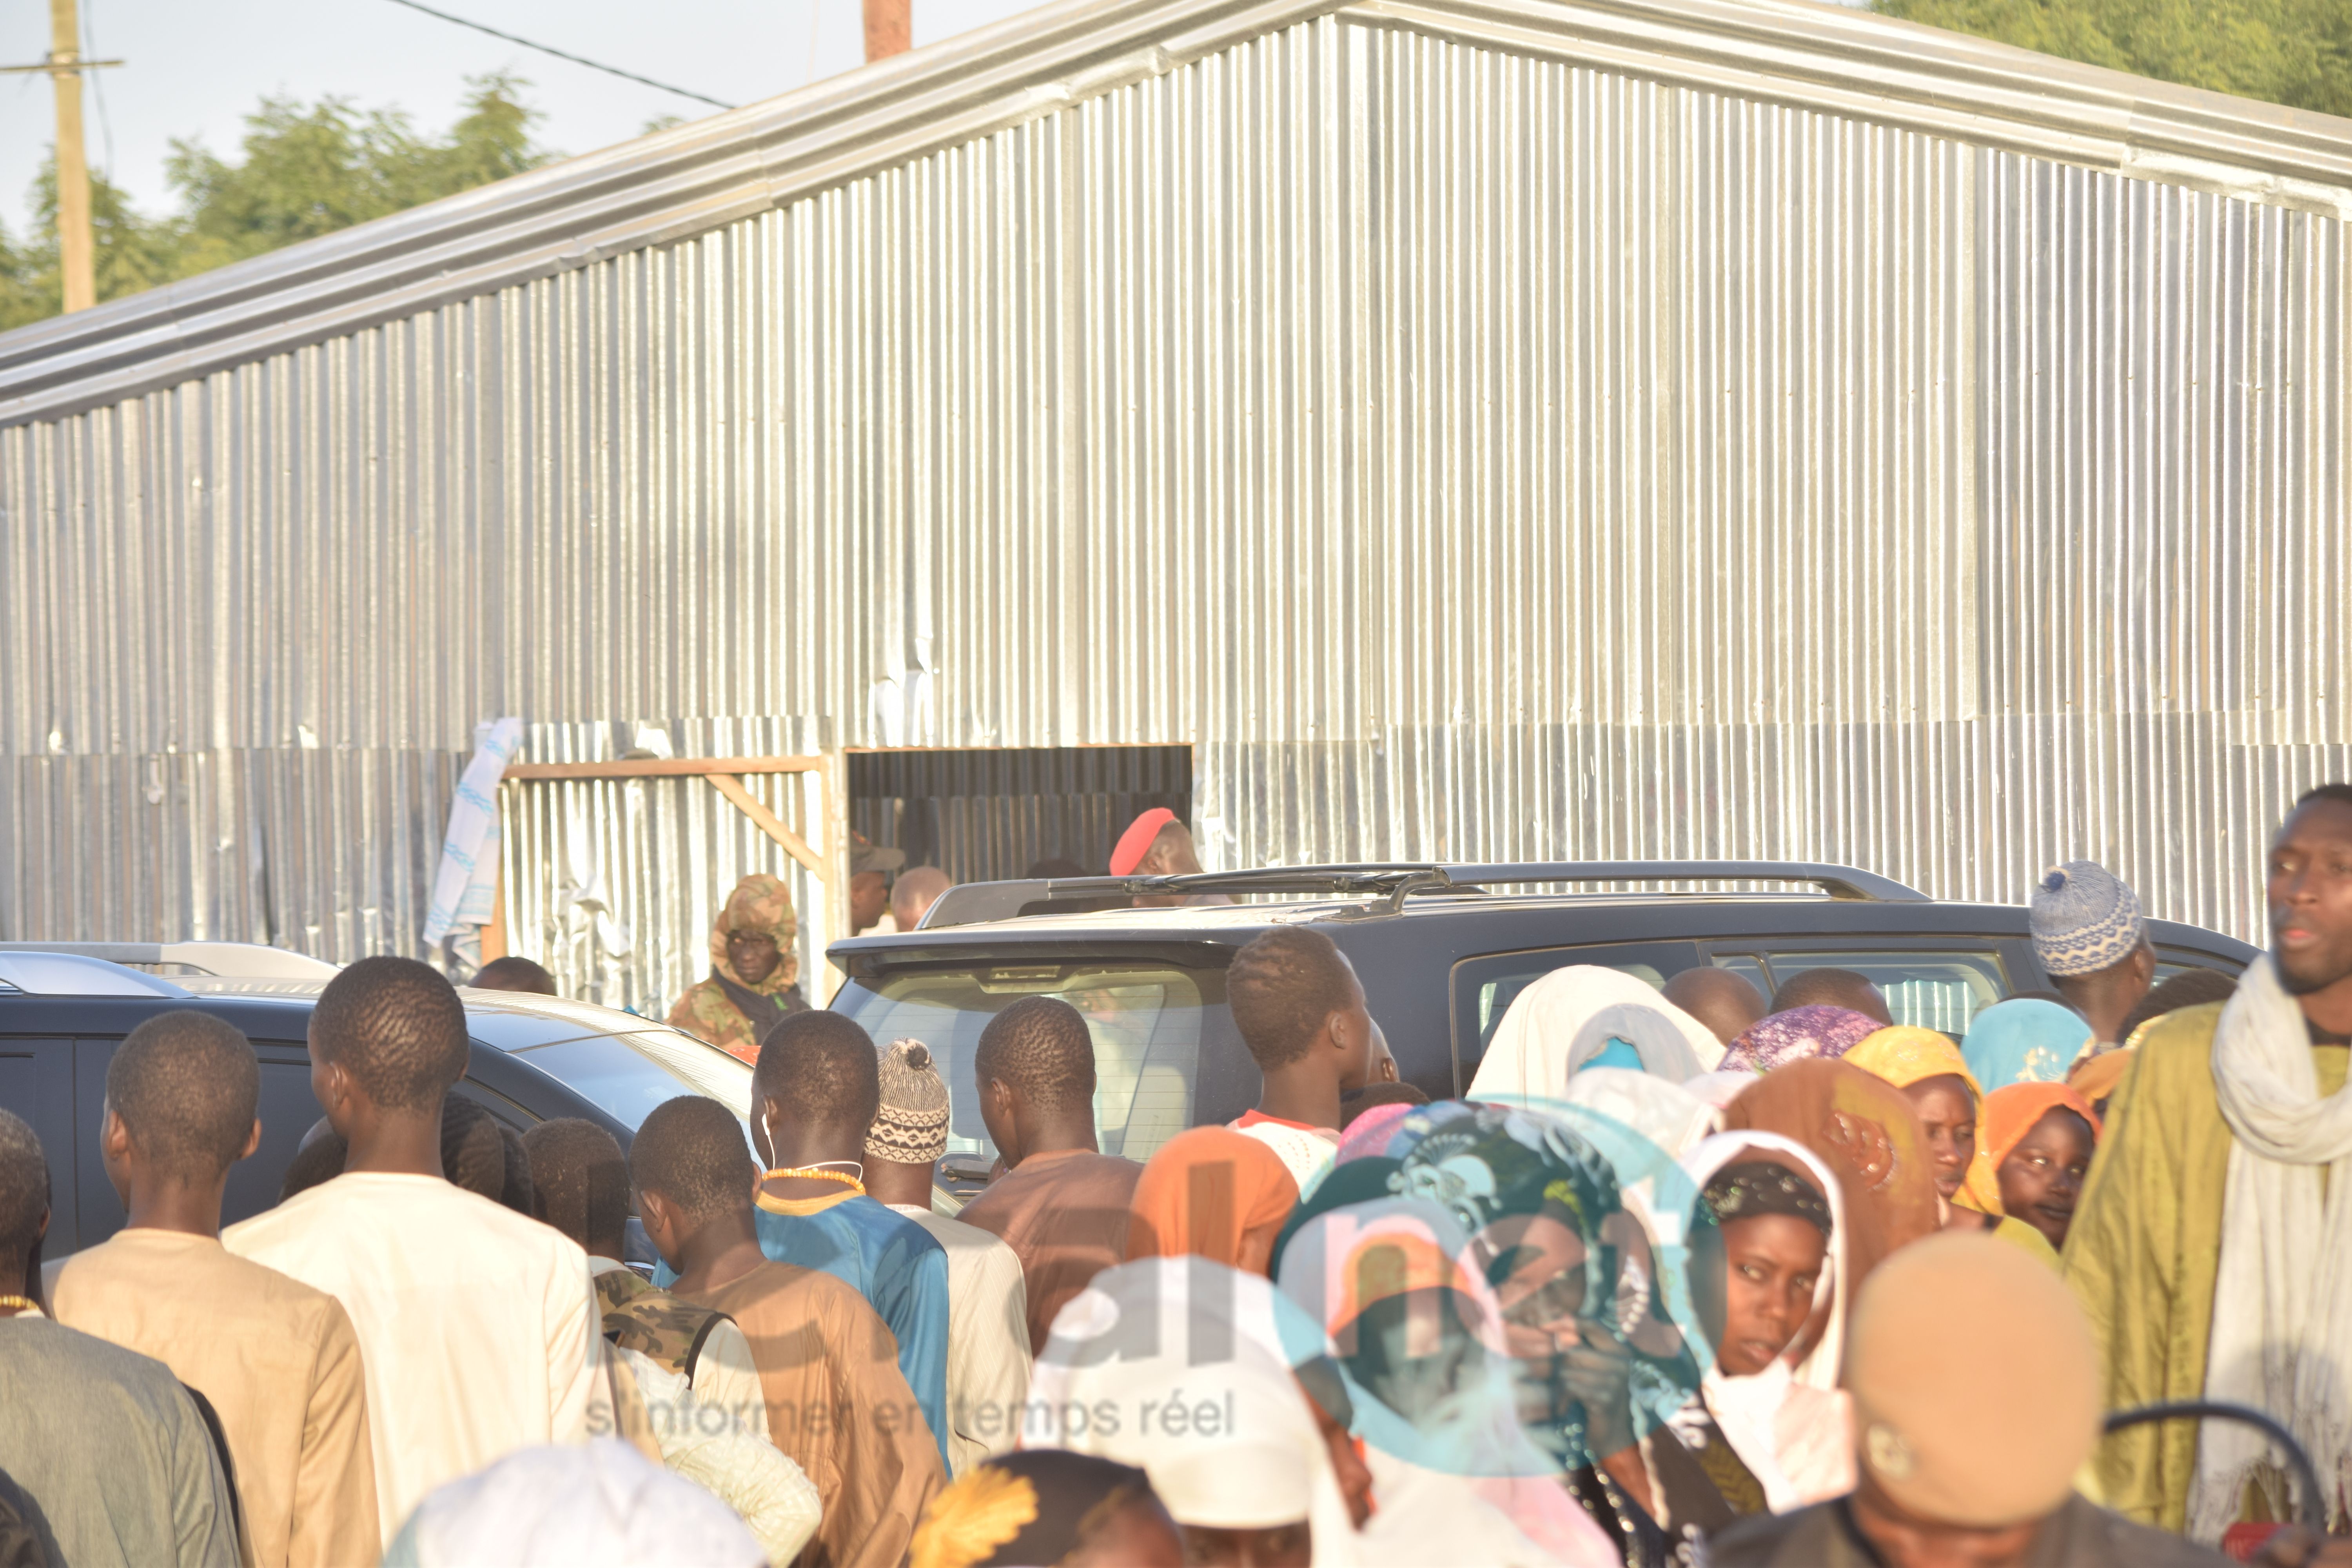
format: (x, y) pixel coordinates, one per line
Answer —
(194, 71)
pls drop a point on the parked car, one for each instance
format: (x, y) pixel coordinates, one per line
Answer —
(533, 1059)
(1442, 951)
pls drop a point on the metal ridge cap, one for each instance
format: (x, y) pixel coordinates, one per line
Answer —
(656, 189)
(1813, 53)
(616, 199)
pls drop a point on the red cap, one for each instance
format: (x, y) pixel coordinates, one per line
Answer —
(1136, 842)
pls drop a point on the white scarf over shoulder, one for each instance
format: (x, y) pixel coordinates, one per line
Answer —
(2282, 1337)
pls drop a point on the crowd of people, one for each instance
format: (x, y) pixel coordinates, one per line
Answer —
(1688, 1275)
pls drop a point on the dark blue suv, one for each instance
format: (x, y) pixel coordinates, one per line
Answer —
(1442, 951)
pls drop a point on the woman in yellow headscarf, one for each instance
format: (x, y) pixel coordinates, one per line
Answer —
(1934, 1076)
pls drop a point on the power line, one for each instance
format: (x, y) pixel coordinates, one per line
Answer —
(559, 54)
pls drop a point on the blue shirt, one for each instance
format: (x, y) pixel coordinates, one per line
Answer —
(885, 1257)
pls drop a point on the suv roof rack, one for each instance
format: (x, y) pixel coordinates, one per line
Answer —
(38, 974)
(969, 903)
(229, 960)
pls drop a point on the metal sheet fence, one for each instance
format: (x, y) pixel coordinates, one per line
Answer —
(1467, 453)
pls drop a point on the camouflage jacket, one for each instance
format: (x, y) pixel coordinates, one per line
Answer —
(648, 1320)
(706, 1012)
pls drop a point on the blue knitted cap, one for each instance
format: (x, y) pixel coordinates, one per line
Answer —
(2083, 919)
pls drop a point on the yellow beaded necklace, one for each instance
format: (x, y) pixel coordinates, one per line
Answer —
(818, 1173)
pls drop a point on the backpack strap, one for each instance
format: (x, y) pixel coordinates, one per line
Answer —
(661, 1327)
(701, 1337)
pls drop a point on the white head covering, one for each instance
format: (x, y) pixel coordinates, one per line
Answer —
(1566, 1018)
(561, 1506)
(1166, 1332)
(1786, 1424)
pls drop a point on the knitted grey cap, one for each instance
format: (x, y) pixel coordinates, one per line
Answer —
(2083, 919)
(911, 1128)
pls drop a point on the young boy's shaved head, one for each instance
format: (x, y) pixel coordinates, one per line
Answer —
(691, 1153)
(396, 1027)
(185, 1085)
(581, 1179)
(821, 1069)
(1040, 1045)
(1281, 987)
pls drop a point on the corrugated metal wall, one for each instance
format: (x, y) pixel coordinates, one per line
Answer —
(1470, 455)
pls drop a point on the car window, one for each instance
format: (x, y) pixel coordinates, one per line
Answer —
(628, 1074)
(1934, 988)
(2172, 961)
(1147, 1020)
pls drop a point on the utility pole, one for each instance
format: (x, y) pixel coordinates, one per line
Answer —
(889, 30)
(77, 253)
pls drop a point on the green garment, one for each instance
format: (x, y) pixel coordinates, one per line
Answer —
(2026, 1239)
(2146, 1248)
(111, 1450)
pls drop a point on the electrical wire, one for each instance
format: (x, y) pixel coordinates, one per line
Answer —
(559, 54)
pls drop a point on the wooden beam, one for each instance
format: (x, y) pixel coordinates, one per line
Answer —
(665, 767)
(767, 821)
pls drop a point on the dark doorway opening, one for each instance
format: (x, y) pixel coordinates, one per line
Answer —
(987, 816)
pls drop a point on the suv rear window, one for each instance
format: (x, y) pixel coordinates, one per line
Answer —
(1148, 1019)
(1934, 988)
(1940, 988)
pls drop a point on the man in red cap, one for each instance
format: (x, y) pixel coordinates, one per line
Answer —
(1156, 844)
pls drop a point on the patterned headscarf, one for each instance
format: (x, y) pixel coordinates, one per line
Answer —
(1797, 1035)
(759, 902)
(1488, 1163)
(1747, 1189)
(2024, 1040)
(1866, 1133)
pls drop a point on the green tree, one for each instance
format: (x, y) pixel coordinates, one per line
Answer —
(2295, 52)
(302, 171)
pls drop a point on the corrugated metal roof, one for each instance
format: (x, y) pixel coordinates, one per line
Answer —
(700, 176)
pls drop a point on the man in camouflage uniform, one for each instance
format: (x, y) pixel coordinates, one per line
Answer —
(754, 972)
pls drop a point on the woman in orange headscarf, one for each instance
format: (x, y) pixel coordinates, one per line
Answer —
(1213, 1193)
(1935, 1078)
(2039, 1138)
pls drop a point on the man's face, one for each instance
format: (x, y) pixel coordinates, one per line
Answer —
(2311, 897)
(1171, 852)
(869, 895)
(753, 956)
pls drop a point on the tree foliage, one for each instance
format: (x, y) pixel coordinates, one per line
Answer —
(2295, 52)
(302, 171)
